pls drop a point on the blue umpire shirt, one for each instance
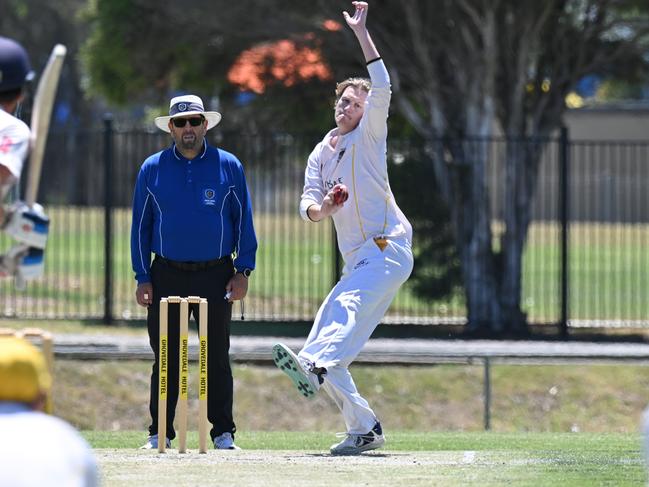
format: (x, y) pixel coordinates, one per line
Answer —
(191, 210)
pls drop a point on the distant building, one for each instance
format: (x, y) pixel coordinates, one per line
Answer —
(612, 122)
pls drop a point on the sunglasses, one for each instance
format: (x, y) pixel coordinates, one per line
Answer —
(181, 122)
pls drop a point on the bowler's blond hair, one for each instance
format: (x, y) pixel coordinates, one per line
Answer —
(363, 83)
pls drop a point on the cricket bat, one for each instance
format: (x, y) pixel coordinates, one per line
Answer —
(40, 122)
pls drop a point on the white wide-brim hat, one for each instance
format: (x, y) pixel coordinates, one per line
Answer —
(184, 106)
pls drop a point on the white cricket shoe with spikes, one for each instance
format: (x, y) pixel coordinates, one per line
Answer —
(306, 382)
(355, 444)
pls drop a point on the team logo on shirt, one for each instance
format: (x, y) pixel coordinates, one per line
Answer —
(209, 196)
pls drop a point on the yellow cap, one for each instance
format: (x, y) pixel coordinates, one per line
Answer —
(23, 372)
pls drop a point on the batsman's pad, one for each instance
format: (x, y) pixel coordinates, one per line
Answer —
(32, 264)
(28, 225)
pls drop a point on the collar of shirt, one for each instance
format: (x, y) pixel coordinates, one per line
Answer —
(178, 155)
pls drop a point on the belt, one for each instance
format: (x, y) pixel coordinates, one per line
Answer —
(194, 266)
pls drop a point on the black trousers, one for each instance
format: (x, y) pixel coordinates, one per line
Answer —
(207, 283)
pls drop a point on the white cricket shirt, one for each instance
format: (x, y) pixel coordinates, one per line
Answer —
(37, 449)
(359, 162)
(14, 142)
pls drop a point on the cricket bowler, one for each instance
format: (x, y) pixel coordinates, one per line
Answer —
(346, 179)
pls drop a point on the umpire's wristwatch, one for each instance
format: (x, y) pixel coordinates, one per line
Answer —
(246, 272)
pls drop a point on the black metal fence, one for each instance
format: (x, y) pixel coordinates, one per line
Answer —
(594, 271)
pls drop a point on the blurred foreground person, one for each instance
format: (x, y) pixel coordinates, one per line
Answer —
(36, 449)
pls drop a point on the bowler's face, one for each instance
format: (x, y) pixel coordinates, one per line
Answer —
(188, 137)
(349, 108)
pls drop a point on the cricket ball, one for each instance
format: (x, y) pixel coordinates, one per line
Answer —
(340, 194)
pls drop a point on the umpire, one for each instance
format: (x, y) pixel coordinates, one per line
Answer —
(192, 210)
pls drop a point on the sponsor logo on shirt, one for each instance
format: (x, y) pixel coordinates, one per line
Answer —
(329, 184)
(361, 263)
(209, 196)
(5, 144)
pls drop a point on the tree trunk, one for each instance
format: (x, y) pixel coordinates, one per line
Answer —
(521, 173)
(517, 203)
(472, 218)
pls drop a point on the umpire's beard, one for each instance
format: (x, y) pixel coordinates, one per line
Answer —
(190, 143)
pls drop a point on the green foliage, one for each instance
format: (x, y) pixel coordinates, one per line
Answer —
(436, 273)
(617, 90)
(145, 51)
(304, 109)
(113, 54)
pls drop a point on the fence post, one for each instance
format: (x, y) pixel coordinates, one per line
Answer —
(487, 394)
(108, 215)
(564, 209)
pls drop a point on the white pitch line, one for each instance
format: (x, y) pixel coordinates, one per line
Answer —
(469, 457)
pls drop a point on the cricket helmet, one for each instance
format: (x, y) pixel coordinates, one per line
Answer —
(15, 69)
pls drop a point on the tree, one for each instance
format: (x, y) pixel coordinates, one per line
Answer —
(460, 69)
(436, 273)
(141, 50)
(196, 45)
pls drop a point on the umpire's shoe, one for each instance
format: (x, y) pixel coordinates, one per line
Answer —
(306, 381)
(355, 444)
(225, 441)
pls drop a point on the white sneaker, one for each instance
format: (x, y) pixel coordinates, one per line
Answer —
(225, 442)
(306, 382)
(354, 443)
(152, 443)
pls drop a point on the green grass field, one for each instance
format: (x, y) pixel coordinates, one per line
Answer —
(409, 459)
(609, 272)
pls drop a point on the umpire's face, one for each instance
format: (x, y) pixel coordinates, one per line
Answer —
(188, 133)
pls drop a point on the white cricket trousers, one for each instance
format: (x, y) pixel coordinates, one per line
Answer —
(347, 318)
